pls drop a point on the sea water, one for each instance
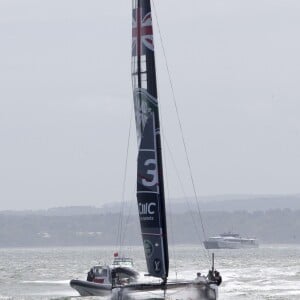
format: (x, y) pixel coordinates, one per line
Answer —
(270, 272)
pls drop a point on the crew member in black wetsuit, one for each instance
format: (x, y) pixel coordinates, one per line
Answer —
(215, 277)
(90, 275)
(218, 277)
(113, 277)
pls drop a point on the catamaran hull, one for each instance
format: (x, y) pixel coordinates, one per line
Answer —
(178, 291)
(173, 292)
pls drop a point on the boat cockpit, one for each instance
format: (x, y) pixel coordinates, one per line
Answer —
(115, 275)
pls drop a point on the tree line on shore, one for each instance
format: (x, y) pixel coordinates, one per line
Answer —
(37, 230)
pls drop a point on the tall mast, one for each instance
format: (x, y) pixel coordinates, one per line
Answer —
(150, 186)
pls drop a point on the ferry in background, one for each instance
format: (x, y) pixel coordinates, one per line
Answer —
(230, 241)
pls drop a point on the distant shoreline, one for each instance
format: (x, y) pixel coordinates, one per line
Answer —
(276, 226)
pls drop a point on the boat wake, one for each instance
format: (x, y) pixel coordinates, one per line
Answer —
(47, 282)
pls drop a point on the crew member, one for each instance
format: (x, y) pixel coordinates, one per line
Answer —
(90, 275)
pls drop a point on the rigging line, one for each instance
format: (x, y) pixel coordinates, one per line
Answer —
(121, 215)
(184, 194)
(126, 224)
(128, 202)
(168, 193)
(180, 125)
(125, 173)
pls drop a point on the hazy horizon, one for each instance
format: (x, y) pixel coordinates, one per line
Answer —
(203, 201)
(66, 100)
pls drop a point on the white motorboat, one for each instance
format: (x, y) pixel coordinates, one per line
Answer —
(102, 278)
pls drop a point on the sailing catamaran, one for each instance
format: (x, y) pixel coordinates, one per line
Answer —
(150, 180)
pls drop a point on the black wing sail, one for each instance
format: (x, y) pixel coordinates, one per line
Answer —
(150, 188)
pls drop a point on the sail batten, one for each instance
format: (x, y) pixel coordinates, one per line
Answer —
(150, 187)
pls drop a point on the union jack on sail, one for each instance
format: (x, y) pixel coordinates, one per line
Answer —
(142, 32)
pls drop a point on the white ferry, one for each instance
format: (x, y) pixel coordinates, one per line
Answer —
(230, 241)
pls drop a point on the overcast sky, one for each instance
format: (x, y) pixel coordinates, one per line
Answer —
(66, 100)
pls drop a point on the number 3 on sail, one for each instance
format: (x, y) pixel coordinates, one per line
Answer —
(154, 181)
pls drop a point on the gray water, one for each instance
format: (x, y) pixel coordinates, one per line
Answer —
(269, 272)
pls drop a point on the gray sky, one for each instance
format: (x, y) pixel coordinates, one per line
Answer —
(65, 98)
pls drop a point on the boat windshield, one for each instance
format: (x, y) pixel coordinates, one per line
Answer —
(100, 271)
(123, 261)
